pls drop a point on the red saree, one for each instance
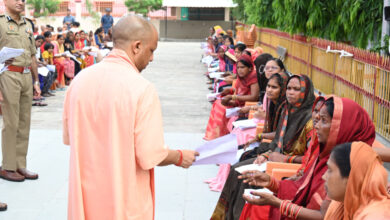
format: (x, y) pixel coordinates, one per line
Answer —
(350, 123)
(217, 124)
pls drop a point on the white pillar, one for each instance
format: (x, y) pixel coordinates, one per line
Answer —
(78, 11)
(227, 14)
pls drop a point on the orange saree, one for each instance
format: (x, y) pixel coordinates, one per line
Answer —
(366, 195)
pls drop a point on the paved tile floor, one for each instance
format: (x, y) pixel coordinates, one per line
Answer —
(180, 194)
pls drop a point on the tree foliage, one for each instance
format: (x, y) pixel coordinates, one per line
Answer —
(355, 21)
(143, 6)
(44, 7)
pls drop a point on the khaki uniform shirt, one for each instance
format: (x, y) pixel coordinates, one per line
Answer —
(19, 36)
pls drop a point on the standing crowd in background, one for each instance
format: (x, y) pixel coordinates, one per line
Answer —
(66, 50)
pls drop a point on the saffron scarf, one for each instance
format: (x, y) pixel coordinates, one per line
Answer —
(366, 194)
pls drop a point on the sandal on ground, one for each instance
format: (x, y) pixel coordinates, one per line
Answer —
(3, 206)
(39, 104)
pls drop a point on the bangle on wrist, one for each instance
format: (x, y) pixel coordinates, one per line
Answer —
(289, 159)
(259, 136)
(180, 159)
(266, 155)
(289, 209)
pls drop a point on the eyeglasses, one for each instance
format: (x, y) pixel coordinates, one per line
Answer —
(271, 68)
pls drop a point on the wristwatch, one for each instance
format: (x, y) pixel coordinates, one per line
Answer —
(36, 83)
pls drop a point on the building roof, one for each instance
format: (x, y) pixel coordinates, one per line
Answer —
(199, 3)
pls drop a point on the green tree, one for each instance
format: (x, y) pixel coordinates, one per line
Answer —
(354, 21)
(43, 7)
(238, 12)
(143, 6)
(93, 13)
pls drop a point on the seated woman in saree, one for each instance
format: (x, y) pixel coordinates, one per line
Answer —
(356, 181)
(276, 93)
(340, 120)
(295, 137)
(295, 126)
(264, 71)
(262, 212)
(230, 75)
(246, 89)
(224, 64)
(239, 49)
(260, 63)
(259, 110)
(275, 102)
(228, 41)
(66, 61)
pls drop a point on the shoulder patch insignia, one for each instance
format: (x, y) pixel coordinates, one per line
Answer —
(11, 27)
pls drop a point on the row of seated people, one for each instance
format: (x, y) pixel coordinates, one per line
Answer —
(69, 53)
(326, 141)
(97, 38)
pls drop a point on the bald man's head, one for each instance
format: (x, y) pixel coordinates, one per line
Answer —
(132, 28)
(137, 38)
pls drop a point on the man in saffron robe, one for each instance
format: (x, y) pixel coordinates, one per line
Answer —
(112, 121)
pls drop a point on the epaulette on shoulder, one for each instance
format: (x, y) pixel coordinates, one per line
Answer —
(31, 22)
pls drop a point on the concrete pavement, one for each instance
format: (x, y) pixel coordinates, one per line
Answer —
(180, 194)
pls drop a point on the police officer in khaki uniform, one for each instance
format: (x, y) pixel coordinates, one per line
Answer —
(16, 86)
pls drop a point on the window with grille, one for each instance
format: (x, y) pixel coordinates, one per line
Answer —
(206, 13)
(102, 5)
(63, 7)
(173, 11)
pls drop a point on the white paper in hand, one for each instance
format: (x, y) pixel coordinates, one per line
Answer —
(222, 150)
(230, 112)
(93, 53)
(43, 71)
(216, 75)
(212, 96)
(247, 192)
(213, 69)
(51, 68)
(252, 167)
(110, 44)
(7, 53)
(245, 124)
